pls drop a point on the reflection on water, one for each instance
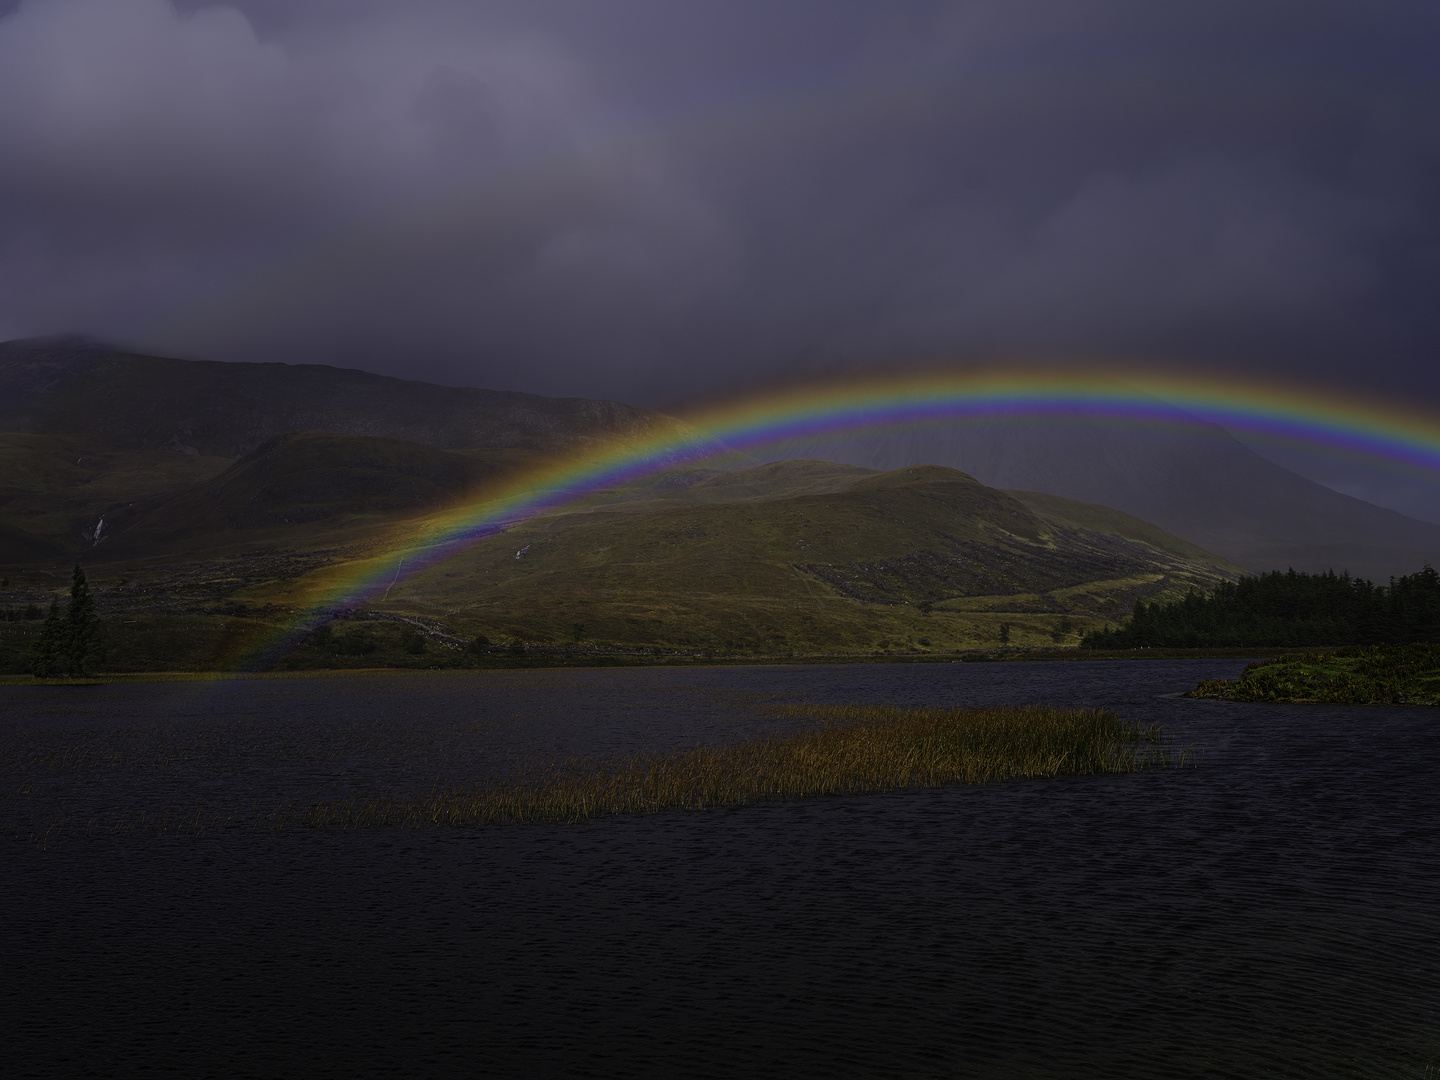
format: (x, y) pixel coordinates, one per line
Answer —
(1270, 912)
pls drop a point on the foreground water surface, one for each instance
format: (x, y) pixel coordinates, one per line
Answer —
(1270, 911)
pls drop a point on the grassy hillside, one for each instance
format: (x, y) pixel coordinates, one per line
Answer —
(55, 488)
(19, 546)
(705, 484)
(1072, 514)
(303, 489)
(787, 558)
(847, 571)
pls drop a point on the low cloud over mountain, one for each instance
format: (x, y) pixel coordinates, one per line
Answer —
(639, 200)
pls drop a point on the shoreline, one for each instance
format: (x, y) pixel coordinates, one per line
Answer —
(698, 661)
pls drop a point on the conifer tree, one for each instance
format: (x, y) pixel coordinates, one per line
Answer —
(45, 656)
(80, 637)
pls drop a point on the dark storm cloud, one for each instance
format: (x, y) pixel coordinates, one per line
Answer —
(645, 199)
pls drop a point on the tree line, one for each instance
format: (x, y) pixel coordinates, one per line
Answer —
(1284, 609)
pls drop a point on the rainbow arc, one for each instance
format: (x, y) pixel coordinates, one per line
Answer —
(1379, 431)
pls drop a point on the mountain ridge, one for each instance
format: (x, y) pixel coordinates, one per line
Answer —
(71, 384)
(1193, 480)
(923, 557)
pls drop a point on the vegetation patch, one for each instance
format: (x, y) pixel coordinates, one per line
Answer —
(1364, 675)
(841, 750)
(1287, 610)
(845, 571)
(816, 560)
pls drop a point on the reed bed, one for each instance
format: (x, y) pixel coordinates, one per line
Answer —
(839, 750)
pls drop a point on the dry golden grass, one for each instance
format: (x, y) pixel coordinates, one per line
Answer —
(841, 750)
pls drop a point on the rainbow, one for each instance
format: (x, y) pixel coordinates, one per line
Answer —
(1375, 430)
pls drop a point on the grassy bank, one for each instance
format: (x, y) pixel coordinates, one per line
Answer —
(841, 750)
(1362, 675)
(466, 664)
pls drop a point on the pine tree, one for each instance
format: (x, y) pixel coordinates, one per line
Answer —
(45, 656)
(80, 637)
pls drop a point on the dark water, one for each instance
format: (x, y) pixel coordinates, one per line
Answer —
(1273, 911)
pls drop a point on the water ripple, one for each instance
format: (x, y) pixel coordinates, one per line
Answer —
(1270, 912)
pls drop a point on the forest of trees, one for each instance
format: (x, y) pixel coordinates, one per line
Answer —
(1286, 609)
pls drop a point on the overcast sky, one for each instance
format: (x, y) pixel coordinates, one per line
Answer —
(648, 199)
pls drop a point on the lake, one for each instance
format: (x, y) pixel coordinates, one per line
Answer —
(1270, 911)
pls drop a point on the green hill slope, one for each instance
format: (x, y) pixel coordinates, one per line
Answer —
(18, 547)
(301, 490)
(704, 484)
(1072, 514)
(844, 570)
(807, 558)
(56, 488)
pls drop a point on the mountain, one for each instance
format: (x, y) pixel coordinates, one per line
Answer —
(303, 489)
(95, 437)
(787, 557)
(71, 385)
(1192, 480)
(844, 569)
(58, 488)
(88, 432)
